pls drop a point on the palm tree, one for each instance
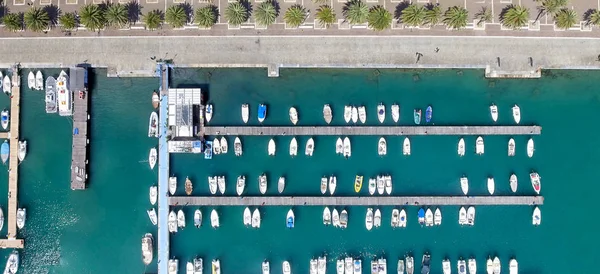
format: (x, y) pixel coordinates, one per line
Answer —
(514, 17)
(152, 20)
(565, 18)
(433, 15)
(356, 12)
(68, 21)
(325, 15)
(456, 17)
(236, 14)
(483, 16)
(176, 16)
(265, 13)
(13, 21)
(36, 19)
(379, 18)
(117, 15)
(593, 18)
(92, 17)
(320, 1)
(206, 16)
(413, 15)
(550, 7)
(295, 15)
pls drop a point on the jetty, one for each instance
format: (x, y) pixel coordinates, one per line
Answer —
(372, 130)
(162, 71)
(354, 201)
(81, 117)
(13, 167)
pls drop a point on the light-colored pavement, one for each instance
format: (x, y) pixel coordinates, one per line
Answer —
(131, 56)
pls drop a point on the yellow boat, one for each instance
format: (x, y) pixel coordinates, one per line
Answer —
(358, 183)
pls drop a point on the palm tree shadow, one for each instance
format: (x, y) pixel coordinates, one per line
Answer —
(399, 8)
(134, 10)
(248, 6)
(276, 5)
(189, 10)
(587, 16)
(504, 11)
(53, 13)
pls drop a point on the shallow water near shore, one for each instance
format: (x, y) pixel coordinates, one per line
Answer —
(99, 230)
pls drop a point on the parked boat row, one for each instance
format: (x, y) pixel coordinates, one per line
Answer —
(382, 184)
(466, 216)
(335, 218)
(516, 112)
(328, 183)
(261, 113)
(513, 182)
(429, 218)
(193, 267)
(35, 81)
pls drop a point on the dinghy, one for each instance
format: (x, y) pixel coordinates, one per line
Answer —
(536, 182)
(5, 118)
(372, 185)
(247, 217)
(197, 218)
(472, 265)
(271, 147)
(152, 158)
(421, 216)
(491, 186)
(494, 112)
(237, 147)
(332, 184)
(377, 218)
(348, 113)
(428, 217)
(153, 194)
(266, 268)
(381, 112)
(354, 114)
(172, 222)
(327, 113)
(402, 218)
(221, 184)
(462, 216)
(406, 146)
(216, 146)
(446, 268)
(180, 219)
(262, 183)
(31, 80)
(461, 147)
(293, 147)
(224, 146)
(381, 147)
(289, 219)
(513, 266)
(479, 148)
(21, 217)
(173, 185)
(358, 183)
(347, 148)
(188, 186)
(240, 185)
(293, 115)
(410, 264)
(464, 184)
(530, 148)
(417, 116)
(6, 84)
(4, 151)
(326, 216)
(286, 269)
(471, 216)
(511, 147)
(335, 218)
(497, 266)
(256, 218)
(437, 217)
(490, 266)
(209, 112)
(262, 113)
(155, 99)
(369, 219)
(212, 184)
(462, 266)
(513, 183)
(388, 184)
(537, 216)
(362, 114)
(323, 185)
(245, 113)
(339, 146)
(380, 184)
(39, 80)
(152, 216)
(395, 218)
(516, 113)
(339, 267)
(147, 249)
(310, 147)
(428, 114)
(343, 219)
(22, 150)
(281, 184)
(214, 218)
(216, 266)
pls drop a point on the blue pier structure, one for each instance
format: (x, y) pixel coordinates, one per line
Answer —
(163, 172)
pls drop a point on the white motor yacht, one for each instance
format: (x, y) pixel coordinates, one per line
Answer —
(402, 218)
(406, 146)
(381, 112)
(530, 148)
(216, 266)
(271, 147)
(348, 113)
(536, 182)
(479, 147)
(471, 215)
(310, 147)
(395, 217)
(372, 185)
(464, 184)
(153, 194)
(489, 266)
(513, 266)
(180, 219)
(446, 268)
(281, 184)
(326, 216)
(462, 216)
(208, 112)
(428, 217)
(262, 183)
(212, 184)
(511, 147)
(247, 219)
(266, 268)
(516, 113)
(221, 184)
(369, 219)
(349, 265)
(323, 184)
(339, 146)
(335, 218)
(21, 217)
(216, 146)
(31, 80)
(240, 185)
(472, 266)
(293, 147)
(293, 115)
(173, 266)
(152, 157)
(256, 218)
(332, 184)
(344, 219)
(198, 265)
(491, 186)
(214, 219)
(388, 184)
(245, 113)
(461, 147)
(497, 265)
(286, 269)
(537, 216)
(437, 217)
(513, 183)
(152, 215)
(224, 145)
(380, 184)
(237, 147)
(395, 113)
(494, 112)
(327, 113)
(382, 147)
(354, 114)
(377, 218)
(362, 114)
(172, 222)
(339, 267)
(197, 218)
(461, 266)
(22, 150)
(347, 147)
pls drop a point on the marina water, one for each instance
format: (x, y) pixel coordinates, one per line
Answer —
(99, 230)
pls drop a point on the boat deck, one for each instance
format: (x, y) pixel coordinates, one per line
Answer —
(354, 200)
(373, 130)
(163, 172)
(81, 118)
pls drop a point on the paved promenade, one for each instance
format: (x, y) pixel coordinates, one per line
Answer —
(131, 56)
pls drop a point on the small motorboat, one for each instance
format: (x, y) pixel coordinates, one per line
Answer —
(472, 265)
(428, 114)
(513, 183)
(313, 266)
(208, 150)
(437, 217)
(377, 218)
(537, 216)
(381, 112)
(339, 146)
(12, 264)
(262, 113)
(406, 146)
(197, 218)
(417, 116)
(293, 115)
(198, 265)
(152, 216)
(395, 217)
(147, 249)
(216, 266)
(212, 184)
(497, 266)
(289, 219)
(491, 186)
(271, 147)
(471, 215)
(245, 113)
(180, 219)
(293, 147)
(362, 114)
(348, 114)
(382, 265)
(354, 114)
(347, 148)
(224, 146)
(380, 184)
(479, 148)
(388, 184)
(216, 146)
(428, 217)
(372, 185)
(31, 80)
(426, 264)
(286, 269)
(326, 216)
(262, 183)
(188, 186)
(172, 222)
(209, 112)
(323, 184)
(421, 216)
(155, 100)
(152, 157)
(489, 266)
(189, 268)
(395, 113)
(22, 150)
(511, 147)
(358, 183)
(332, 184)
(462, 216)
(382, 147)
(214, 218)
(516, 113)
(310, 147)
(6, 84)
(530, 148)
(237, 147)
(349, 262)
(402, 218)
(327, 113)
(240, 185)
(1, 211)
(221, 184)
(410, 264)
(369, 219)
(343, 219)
(281, 184)
(446, 268)
(4, 151)
(173, 266)
(461, 147)
(339, 267)
(21, 217)
(464, 184)
(153, 194)
(247, 217)
(401, 266)
(322, 265)
(513, 266)
(266, 268)
(536, 182)
(335, 217)
(494, 112)
(5, 118)
(153, 125)
(461, 266)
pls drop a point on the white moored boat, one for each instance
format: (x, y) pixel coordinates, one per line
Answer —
(395, 217)
(530, 148)
(537, 216)
(472, 266)
(5, 118)
(6, 84)
(369, 219)
(31, 80)
(221, 184)
(513, 266)
(471, 215)
(536, 182)
(224, 146)
(153, 194)
(428, 217)
(380, 184)
(354, 115)
(410, 264)
(155, 99)
(262, 183)
(214, 218)
(256, 218)
(382, 147)
(323, 184)
(180, 219)
(406, 146)
(1, 210)
(313, 265)
(172, 222)
(347, 113)
(362, 114)
(516, 113)
(339, 146)
(377, 218)
(189, 268)
(290, 219)
(240, 185)
(152, 157)
(344, 218)
(293, 115)
(497, 265)
(461, 147)
(65, 96)
(511, 147)
(372, 185)
(310, 147)
(395, 113)
(327, 113)
(401, 266)
(494, 112)
(347, 147)
(332, 184)
(349, 265)
(388, 184)
(381, 112)
(335, 218)
(513, 183)
(245, 113)
(491, 186)
(402, 218)
(39, 80)
(479, 148)
(21, 217)
(212, 184)
(247, 217)
(50, 98)
(339, 267)
(198, 265)
(152, 216)
(271, 147)
(266, 268)
(293, 147)
(197, 218)
(153, 125)
(281, 184)
(237, 147)
(286, 269)
(462, 266)
(22, 150)
(437, 217)
(216, 266)
(147, 249)
(326, 216)
(489, 266)
(446, 268)
(216, 146)
(209, 112)
(462, 216)
(12, 264)
(464, 184)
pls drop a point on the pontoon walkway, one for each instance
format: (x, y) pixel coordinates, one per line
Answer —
(79, 161)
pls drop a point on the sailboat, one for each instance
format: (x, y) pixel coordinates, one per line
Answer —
(362, 114)
(310, 147)
(347, 147)
(388, 184)
(237, 146)
(516, 113)
(327, 113)
(289, 219)
(247, 217)
(437, 217)
(536, 182)
(240, 185)
(21, 217)
(216, 146)
(180, 219)
(421, 216)
(152, 158)
(395, 217)
(198, 268)
(530, 148)
(491, 186)
(271, 147)
(446, 266)
(380, 184)
(358, 183)
(354, 114)
(513, 183)
(347, 113)
(428, 217)
(39, 80)
(153, 194)
(153, 125)
(372, 185)
(343, 219)
(406, 146)
(513, 266)
(256, 218)
(537, 216)
(494, 112)
(22, 150)
(395, 113)
(369, 219)
(221, 184)
(479, 148)
(155, 100)
(323, 185)
(402, 218)
(377, 218)
(147, 249)
(262, 183)
(245, 113)
(335, 217)
(381, 112)
(326, 216)
(197, 218)
(152, 216)
(212, 184)
(511, 147)
(172, 222)
(281, 184)
(6, 84)
(490, 266)
(293, 115)
(262, 113)
(471, 216)
(188, 186)
(428, 114)
(224, 146)
(339, 146)
(461, 147)
(332, 184)
(472, 265)
(462, 216)
(417, 116)
(293, 147)
(214, 218)
(209, 112)
(464, 184)
(4, 151)
(5, 118)
(382, 147)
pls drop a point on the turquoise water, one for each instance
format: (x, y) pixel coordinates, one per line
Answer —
(99, 230)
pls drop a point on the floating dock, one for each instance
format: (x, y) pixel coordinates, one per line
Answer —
(372, 130)
(354, 201)
(163, 172)
(81, 117)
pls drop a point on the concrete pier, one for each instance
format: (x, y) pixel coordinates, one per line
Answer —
(353, 201)
(79, 161)
(163, 173)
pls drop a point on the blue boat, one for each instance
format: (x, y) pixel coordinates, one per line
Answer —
(208, 150)
(428, 114)
(290, 219)
(262, 112)
(421, 216)
(417, 115)
(4, 151)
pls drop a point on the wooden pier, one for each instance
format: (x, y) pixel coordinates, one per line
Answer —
(373, 130)
(13, 167)
(353, 201)
(79, 161)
